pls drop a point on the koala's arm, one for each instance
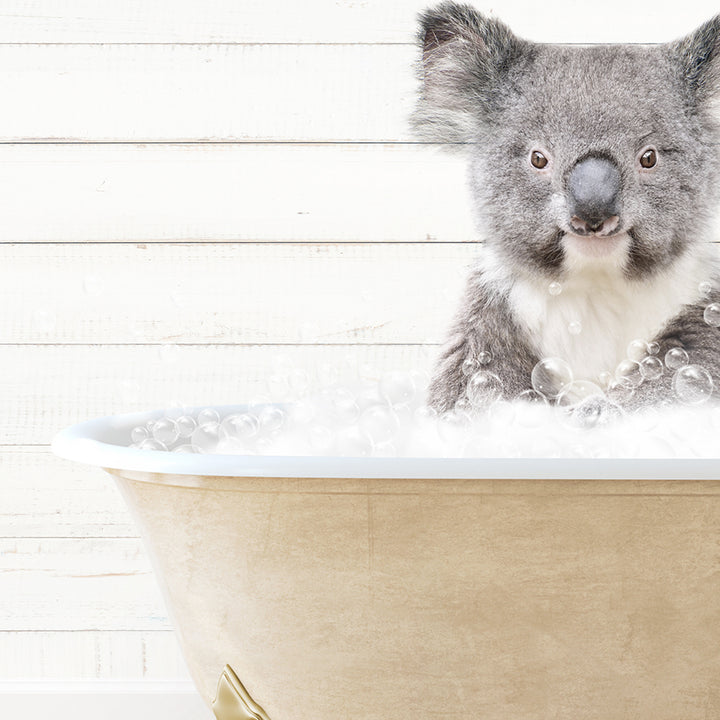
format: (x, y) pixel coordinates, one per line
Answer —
(688, 331)
(484, 323)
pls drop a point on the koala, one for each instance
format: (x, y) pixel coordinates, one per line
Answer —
(594, 173)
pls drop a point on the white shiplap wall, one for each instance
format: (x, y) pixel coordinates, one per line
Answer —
(189, 190)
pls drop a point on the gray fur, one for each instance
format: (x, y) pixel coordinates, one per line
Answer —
(499, 97)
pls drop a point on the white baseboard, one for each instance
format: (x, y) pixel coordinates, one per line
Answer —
(106, 699)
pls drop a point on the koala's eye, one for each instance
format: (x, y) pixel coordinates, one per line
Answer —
(538, 160)
(649, 158)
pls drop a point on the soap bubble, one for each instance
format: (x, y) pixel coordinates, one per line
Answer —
(271, 419)
(206, 437)
(651, 368)
(299, 382)
(398, 388)
(351, 442)
(675, 358)
(470, 366)
(484, 357)
(187, 448)
(705, 288)
(186, 425)
(425, 413)
(138, 434)
(550, 376)
(483, 388)
(578, 390)
(152, 444)
(629, 371)
(340, 404)
(453, 426)
(712, 315)
(637, 350)
(575, 327)
(166, 431)
(239, 426)
(692, 385)
(554, 288)
(532, 396)
(653, 348)
(208, 415)
(379, 423)
(321, 439)
(620, 390)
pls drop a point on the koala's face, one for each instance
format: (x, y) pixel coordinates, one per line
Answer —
(602, 152)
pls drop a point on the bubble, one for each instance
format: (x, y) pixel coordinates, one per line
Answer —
(166, 431)
(425, 413)
(578, 390)
(653, 348)
(351, 442)
(532, 396)
(692, 385)
(651, 368)
(398, 388)
(271, 419)
(575, 327)
(239, 426)
(484, 357)
(206, 437)
(186, 425)
(453, 425)
(463, 405)
(186, 449)
(593, 411)
(140, 433)
(550, 376)
(605, 378)
(341, 405)
(554, 288)
(321, 438)
(483, 388)
(620, 390)
(629, 371)
(379, 423)
(208, 415)
(470, 366)
(705, 288)
(637, 350)
(712, 315)
(152, 444)
(675, 358)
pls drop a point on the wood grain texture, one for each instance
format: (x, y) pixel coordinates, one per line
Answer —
(313, 193)
(230, 293)
(45, 388)
(90, 654)
(328, 21)
(236, 93)
(42, 496)
(78, 584)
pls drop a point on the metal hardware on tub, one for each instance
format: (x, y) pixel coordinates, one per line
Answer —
(232, 700)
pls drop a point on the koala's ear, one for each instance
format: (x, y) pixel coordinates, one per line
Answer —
(466, 59)
(699, 57)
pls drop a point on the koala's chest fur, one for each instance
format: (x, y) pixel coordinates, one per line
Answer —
(598, 311)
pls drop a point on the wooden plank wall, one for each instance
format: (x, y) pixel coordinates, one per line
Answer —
(190, 191)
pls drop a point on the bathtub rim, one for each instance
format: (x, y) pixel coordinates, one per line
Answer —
(90, 443)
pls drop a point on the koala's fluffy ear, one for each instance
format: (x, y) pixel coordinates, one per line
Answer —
(699, 57)
(466, 59)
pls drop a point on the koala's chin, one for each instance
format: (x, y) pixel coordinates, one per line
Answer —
(595, 171)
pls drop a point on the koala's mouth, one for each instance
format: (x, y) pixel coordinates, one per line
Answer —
(596, 245)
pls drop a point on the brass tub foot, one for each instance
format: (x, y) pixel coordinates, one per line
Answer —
(233, 702)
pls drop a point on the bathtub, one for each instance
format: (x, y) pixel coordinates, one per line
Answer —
(321, 588)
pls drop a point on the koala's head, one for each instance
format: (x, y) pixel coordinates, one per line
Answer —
(607, 152)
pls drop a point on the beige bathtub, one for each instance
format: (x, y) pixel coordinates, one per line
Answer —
(391, 589)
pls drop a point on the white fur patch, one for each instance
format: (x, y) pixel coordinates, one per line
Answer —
(598, 312)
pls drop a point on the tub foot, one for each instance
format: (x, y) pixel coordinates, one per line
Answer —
(233, 702)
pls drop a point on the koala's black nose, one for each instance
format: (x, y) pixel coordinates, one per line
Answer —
(594, 196)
